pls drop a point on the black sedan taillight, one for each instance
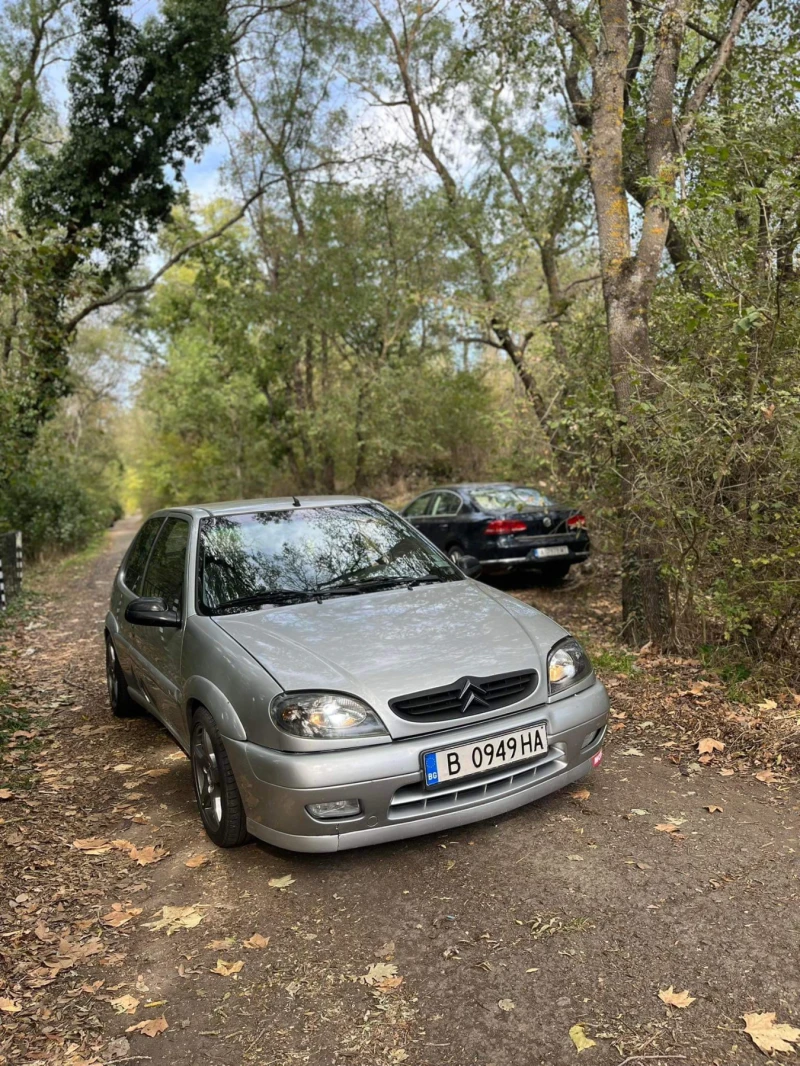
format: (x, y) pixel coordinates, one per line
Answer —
(501, 526)
(576, 521)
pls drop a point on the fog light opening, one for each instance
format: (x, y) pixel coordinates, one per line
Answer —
(597, 758)
(347, 808)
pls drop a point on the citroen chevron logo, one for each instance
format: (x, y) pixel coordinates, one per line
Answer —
(472, 696)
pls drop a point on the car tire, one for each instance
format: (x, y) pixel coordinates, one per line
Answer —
(555, 573)
(122, 706)
(221, 809)
(455, 555)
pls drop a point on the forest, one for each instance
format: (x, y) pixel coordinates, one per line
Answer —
(547, 240)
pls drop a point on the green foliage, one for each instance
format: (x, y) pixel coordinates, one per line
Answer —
(143, 99)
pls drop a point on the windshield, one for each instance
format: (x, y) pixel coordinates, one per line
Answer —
(519, 499)
(275, 556)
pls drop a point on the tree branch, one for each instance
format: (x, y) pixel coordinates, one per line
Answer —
(706, 85)
(144, 286)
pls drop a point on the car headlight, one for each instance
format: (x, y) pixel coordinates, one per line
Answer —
(325, 715)
(567, 664)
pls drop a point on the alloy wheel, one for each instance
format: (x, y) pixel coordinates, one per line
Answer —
(206, 777)
(111, 674)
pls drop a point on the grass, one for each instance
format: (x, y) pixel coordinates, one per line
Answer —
(64, 565)
(613, 661)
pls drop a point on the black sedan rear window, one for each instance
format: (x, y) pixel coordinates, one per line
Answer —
(522, 499)
(277, 556)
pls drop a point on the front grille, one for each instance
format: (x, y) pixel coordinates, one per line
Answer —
(415, 801)
(468, 695)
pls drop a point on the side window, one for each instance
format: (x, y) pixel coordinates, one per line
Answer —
(137, 556)
(447, 504)
(419, 507)
(165, 571)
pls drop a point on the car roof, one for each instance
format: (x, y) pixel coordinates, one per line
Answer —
(472, 486)
(275, 503)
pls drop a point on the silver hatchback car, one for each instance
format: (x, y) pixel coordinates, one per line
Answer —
(336, 680)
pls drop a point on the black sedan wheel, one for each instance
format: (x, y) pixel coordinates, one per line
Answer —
(122, 706)
(218, 797)
(455, 555)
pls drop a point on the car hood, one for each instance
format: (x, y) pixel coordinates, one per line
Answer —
(380, 645)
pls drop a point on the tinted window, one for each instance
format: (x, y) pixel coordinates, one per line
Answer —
(165, 570)
(137, 556)
(420, 506)
(309, 549)
(447, 503)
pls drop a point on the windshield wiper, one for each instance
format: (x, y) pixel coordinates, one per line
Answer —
(377, 584)
(277, 596)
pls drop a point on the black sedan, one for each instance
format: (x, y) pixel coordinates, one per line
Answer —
(505, 526)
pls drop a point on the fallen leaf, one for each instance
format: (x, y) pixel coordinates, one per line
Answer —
(6, 794)
(579, 1038)
(769, 1036)
(9, 1006)
(712, 808)
(581, 794)
(633, 751)
(668, 827)
(697, 689)
(639, 811)
(378, 972)
(281, 882)
(727, 772)
(676, 999)
(197, 860)
(708, 745)
(256, 941)
(768, 705)
(227, 969)
(148, 855)
(506, 1004)
(766, 775)
(122, 767)
(221, 945)
(125, 1004)
(174, 918)
(575, 858)
(398, 1055)
(92, 846)
(151, 1027)
(119, 915)
(386, 951)
(158, 772)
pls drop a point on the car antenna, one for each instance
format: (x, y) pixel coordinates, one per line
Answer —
(295, 501)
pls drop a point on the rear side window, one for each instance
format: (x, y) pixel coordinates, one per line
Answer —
(164, 577)
(447, 503)
(420, 506)
(137, 556)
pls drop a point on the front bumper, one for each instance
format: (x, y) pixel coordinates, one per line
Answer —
(387, 779)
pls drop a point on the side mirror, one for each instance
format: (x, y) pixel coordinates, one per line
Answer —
(470, 566)
(151, 611)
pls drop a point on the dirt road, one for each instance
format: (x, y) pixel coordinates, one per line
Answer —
(506, 934)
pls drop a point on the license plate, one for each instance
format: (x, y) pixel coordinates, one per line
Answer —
(479, 756)
(548, 553)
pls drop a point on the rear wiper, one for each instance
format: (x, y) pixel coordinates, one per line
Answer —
(276, 596)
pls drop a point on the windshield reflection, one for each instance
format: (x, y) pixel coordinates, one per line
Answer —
(308, 551)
